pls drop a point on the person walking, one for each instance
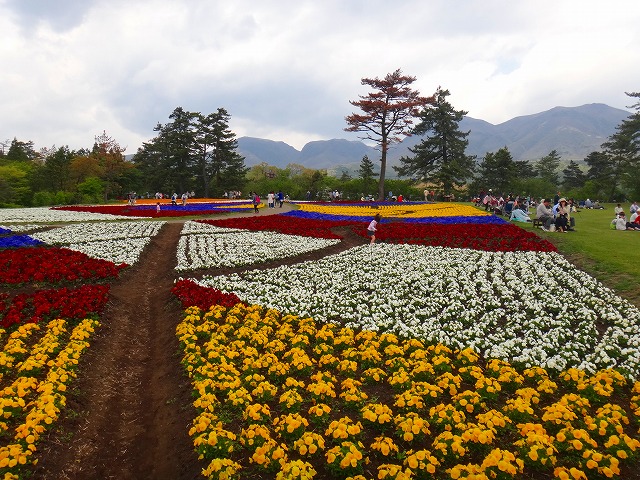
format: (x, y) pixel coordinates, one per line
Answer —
(373, 228)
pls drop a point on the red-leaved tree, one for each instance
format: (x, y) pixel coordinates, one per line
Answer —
(387, 113)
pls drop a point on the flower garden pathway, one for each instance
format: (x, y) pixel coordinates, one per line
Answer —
(129, 412)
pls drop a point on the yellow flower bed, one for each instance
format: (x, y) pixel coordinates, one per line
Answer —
(401, 210)
(284, 397)
(37, 364)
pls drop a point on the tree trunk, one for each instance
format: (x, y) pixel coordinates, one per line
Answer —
(205, 181)
(383, 167)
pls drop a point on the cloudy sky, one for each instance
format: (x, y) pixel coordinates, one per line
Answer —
(286, 69)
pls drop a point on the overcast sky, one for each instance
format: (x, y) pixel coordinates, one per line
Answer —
(286, 69)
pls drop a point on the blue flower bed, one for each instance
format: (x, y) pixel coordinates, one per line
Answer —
(480, 219)
(17, 241)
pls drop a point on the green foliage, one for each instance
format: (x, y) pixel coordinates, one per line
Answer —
(536, 187)
(90, 190)
(42, 199)
(497, 171)
(14, 183)
(547, 168)
(440, 157)
(193, 152)
(21, 151)
(573, 176)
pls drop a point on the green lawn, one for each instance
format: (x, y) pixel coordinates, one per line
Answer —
(611, 256)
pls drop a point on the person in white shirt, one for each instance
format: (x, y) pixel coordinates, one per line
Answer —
(373, 228)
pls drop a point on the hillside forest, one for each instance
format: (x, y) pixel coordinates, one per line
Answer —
(195, 152)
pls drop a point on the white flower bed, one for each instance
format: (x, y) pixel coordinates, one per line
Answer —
(119, 250)
(528, 307)
(88, 232)
(242, 248)
(45, 214)
(190, 227)
(117, 242)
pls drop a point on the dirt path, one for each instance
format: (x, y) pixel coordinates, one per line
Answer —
(129, 412)
(125, 423)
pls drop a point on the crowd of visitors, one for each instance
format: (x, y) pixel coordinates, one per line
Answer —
(553, 215)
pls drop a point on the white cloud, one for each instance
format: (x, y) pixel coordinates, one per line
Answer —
(286, 70)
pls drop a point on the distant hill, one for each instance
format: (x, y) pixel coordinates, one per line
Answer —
(573, 132)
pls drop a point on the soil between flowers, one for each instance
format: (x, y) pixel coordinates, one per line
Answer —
(129, 412)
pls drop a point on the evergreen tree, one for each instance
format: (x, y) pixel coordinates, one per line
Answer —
(523, 169)
(547, 168)
(497, 171)
(602, 173)
(440, 157)
(388, 113)
(21, 151)
(220, 167)
(623, 150)
(573, 176)
(366, 174)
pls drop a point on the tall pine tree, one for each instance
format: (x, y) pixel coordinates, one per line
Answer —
(440, 157)
(221, 168)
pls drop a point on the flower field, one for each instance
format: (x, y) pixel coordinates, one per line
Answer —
(207, 246)
(451, 349)
(50, 302)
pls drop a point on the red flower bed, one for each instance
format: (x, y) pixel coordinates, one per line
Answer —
(191, 294)
(43, 305)
(284, 224)
(488, 237)
(41, 264)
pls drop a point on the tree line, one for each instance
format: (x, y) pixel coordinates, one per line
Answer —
(195, 152)
(440, 161)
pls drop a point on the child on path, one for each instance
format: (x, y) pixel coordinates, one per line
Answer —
(373, 228)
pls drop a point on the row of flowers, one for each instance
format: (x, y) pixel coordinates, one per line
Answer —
(286, 396)
(241, 247)
(507, 305)
(52, 265)
(45, 304)
(37, 215)
(395, 210)
(444, 219)
(167, 209)
(45, 331)
(18, 241)
(447, 233)
(284, 224)
(116, 242)
(91, 232)
(36, 364)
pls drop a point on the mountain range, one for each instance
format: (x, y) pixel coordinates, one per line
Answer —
(573, 132)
